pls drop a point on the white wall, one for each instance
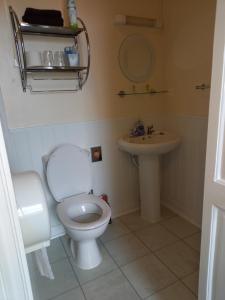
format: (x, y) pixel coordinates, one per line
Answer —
(183, 169)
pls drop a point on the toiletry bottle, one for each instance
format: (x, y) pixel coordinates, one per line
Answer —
(72, 13)
(140, 128)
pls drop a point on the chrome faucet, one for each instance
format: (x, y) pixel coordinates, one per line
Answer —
(150, 130)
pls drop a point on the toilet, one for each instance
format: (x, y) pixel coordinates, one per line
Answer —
(84, 216)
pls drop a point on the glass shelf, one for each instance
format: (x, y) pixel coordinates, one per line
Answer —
(150, 92)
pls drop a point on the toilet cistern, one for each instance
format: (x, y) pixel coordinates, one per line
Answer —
(148, 148)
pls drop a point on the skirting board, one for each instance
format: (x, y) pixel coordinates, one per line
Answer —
(180, 214)
(125, 213)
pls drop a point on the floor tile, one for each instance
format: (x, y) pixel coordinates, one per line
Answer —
(175, 292)
(180, 227)
(148, 275)
(126, 249)
(156, 236)
(194, 241)
(55, 251)
(75, 294)
(180, 258)
(64, 281)
(106, 266)
(113, 286)
(65, 240)
(134, 221)
(166, 213)
(191, 282)
(114, 230)
(32, 266)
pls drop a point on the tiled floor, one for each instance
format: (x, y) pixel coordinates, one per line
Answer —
(140, 261)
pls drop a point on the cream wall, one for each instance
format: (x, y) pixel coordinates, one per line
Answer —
(98, 99)
(188, 45)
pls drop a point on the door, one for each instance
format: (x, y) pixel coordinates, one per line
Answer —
(212, 266)
(14, 275)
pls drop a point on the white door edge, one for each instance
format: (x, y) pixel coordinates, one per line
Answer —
(14, 275)
(212, 265)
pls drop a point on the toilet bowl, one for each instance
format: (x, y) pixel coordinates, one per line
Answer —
(84, 216)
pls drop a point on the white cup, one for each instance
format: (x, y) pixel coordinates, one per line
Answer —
(58, 59)
(33, 58)
(47, 58)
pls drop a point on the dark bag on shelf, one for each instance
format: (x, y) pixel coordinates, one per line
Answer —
(43, 17)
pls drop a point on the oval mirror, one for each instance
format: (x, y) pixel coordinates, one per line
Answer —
(136, 58)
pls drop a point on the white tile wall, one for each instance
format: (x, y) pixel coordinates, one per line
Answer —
(115, 175)
(182, 170)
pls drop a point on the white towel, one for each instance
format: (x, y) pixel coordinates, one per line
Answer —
(43, 264)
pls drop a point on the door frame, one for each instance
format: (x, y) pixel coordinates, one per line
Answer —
(14, 274)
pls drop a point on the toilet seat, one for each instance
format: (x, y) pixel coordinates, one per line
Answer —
(68, 172)
(82, 204)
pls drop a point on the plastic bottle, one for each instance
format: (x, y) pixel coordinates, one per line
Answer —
(72, 13)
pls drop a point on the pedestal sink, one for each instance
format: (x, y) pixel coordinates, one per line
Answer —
(148, 148)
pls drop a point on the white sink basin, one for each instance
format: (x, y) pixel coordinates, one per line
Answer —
(159, 142)
(148, 149)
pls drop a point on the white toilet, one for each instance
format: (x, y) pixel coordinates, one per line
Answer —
(84, 216)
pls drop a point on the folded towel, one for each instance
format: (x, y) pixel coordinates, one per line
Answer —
(43, 17)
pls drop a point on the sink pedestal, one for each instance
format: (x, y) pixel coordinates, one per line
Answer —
(149, 148)
(149, 178)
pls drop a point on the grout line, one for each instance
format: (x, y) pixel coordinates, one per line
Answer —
(90, 280)
(61, 294)
(157, 257)
(189, 236)
(162, 289)
(115, 238)
(100, 276)
(179, 278)
(75, 275)
(161, 248)
(134, 232)
(154, 254)
(187, 287)
(192, 248)
(151, 252)
(181, 239)
(123, 272)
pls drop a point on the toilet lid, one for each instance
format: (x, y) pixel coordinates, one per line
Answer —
(68, 172)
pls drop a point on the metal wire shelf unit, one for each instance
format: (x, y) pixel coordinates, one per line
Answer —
(22, 29)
